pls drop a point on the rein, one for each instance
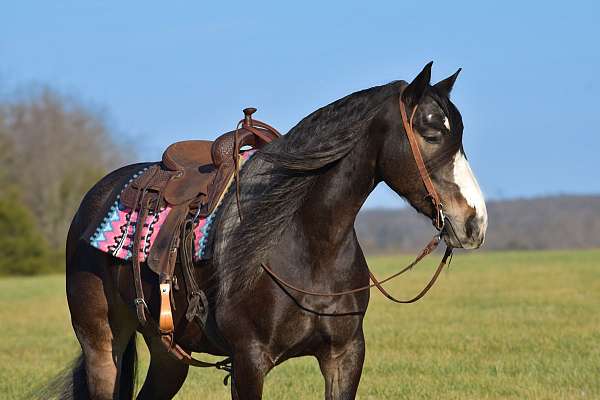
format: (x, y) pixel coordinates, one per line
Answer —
(438, 222)
(432, 245)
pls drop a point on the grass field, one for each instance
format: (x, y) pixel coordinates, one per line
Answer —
(523, 325)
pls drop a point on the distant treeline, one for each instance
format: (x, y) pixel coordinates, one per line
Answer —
(53, 149)
(558, 222)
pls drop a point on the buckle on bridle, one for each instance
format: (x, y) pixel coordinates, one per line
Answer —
(138, 300)
(439, 219)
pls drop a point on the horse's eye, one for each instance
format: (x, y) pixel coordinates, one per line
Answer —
(433, 139)
(432, 136)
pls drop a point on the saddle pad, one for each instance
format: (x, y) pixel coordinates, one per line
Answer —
(115, 233)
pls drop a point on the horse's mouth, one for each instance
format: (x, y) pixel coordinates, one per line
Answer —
(449, 239)
(452, 238)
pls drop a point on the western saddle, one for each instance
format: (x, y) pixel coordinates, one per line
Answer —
(191, 179)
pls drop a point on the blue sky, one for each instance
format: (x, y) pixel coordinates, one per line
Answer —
(164, 72)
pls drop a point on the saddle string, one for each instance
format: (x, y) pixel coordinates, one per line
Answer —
(236, 163)
(140, 302)
(249, 124)
(196, 299)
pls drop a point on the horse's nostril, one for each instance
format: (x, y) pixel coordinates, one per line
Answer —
(472, 227)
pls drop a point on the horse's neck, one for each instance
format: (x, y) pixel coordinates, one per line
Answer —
(337, 196)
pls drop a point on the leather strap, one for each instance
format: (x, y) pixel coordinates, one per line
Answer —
(197, 301)
(432, 245)
(181, 355)
(438, 218)
(423, 292)
(140, 302)
(165, 326)
(267, 135)
(236, 167)
(178, 353)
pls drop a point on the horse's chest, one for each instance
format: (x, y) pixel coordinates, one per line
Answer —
(287, 326)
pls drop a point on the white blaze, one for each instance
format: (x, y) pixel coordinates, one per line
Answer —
(469, 188)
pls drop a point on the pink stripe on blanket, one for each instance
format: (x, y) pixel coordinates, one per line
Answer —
(115, 235)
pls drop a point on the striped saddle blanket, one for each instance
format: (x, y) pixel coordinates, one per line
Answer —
(115, 233)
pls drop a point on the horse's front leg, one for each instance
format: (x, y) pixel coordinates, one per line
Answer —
(250, 367)
(341, 368)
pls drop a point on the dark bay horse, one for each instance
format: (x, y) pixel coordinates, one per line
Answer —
(300, 196)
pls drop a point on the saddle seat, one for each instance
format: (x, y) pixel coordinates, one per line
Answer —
(189, 154)
(195, 171)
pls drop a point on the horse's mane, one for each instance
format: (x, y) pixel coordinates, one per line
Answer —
(275, 182)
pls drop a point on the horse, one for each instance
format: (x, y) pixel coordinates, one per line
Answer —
(299, 196)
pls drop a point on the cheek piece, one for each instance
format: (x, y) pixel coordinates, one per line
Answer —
(438, 218)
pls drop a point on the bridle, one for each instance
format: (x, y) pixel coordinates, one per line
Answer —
(438, 220)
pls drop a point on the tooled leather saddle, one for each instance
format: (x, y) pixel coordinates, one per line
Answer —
(191, 179)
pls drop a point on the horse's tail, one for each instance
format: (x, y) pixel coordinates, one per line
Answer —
(71, 383)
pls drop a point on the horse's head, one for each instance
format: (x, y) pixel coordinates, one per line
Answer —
(438, 128)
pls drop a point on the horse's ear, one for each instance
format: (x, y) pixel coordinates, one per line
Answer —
(446, 85)
(414, 91)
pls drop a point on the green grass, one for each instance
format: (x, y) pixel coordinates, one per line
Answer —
(516, 325)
